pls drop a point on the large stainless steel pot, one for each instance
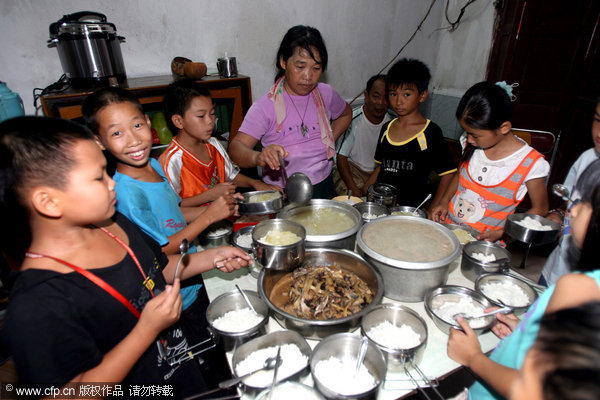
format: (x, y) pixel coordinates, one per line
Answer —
(341, 240)
(89, 48)
(406, 280)
(318, 329)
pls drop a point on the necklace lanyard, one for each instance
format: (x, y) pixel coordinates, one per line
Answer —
(149, 283)
(303, 127)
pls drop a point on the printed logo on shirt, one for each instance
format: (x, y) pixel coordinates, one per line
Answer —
(398, 165)
(171, 223)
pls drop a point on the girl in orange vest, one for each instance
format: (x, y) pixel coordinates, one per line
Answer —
(497, 168)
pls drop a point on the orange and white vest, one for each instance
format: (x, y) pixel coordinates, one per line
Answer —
(486, 207)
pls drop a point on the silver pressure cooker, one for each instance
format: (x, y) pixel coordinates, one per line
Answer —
(89, 49)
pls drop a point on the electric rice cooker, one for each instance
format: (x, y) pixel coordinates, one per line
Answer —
(89, 49)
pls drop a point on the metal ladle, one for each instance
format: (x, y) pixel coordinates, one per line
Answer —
(298, 187)
(502, 310)
(246, 299)
(362, 350)
(269, 363)
(184, 246)
(561, 191)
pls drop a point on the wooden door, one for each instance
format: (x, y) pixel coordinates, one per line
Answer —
(551, 48)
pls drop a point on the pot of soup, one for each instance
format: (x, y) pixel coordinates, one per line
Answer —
(412, 254)
(328, 223)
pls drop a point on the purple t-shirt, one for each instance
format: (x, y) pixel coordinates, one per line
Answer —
(308, 154)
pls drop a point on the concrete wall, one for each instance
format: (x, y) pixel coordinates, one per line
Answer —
(361, 37)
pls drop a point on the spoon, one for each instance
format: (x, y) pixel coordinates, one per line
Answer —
(503, 310)
(561, 191)
(423, 202)
(362, 350)
(184, 246)
(269, 363)
(246, 299)
(277, 358)
(298, 188)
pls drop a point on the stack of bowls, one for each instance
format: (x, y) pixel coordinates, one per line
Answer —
(232, 301)
(345, 346)
(472, 267)
(451, 293)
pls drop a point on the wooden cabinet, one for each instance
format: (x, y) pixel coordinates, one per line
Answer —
(234, 94)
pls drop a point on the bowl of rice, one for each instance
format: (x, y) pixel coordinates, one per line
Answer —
(260, 202)
(502, 289)
(482, 257)
(233, 322)
(531, 228)
(333, 368)
(399, 332)
(216, 235)
(443, 303)
(369, 211)
(250, 356)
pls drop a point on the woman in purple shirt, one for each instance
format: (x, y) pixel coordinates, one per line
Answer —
(299, 117)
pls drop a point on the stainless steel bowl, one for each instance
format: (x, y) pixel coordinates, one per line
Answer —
(408, 280)
(397, 315)
(523, 234)
(282, 258)
(368, 208)
(318, 329)
(208, 240)
(246, 230)
(262, 207)
(503, 278)
(340, 240)
(343, 346)
(436, 297)
(291, 390)
(472, 268)
(273, 339)
(408, 211)
(231, 301)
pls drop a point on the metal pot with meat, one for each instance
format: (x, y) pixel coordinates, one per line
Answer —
(328, 293)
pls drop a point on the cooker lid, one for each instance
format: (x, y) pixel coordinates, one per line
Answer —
(82, 22)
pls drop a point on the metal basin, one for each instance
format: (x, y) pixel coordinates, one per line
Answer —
(261, 207)
(339, 240)
(318, 329)
(409, 280)
(276, 257)
(472, 268)
(343, 346)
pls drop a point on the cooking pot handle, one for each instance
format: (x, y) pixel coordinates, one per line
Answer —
(75, 17)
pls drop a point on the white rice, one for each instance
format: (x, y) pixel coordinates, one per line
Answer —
(367, 215)
(484, 257)
(238, 320)
(533, 224)
(340, 375)
(507, 292)
(394, 337)
(244, 240)
(217, 232)
(466, 306)
(292, 361)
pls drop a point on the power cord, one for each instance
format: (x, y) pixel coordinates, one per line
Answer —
(63, 83)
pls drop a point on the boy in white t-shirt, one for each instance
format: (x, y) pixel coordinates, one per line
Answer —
(356, 147)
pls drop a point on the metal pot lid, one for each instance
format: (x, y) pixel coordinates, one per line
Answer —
(82, 23)
(374, 227)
